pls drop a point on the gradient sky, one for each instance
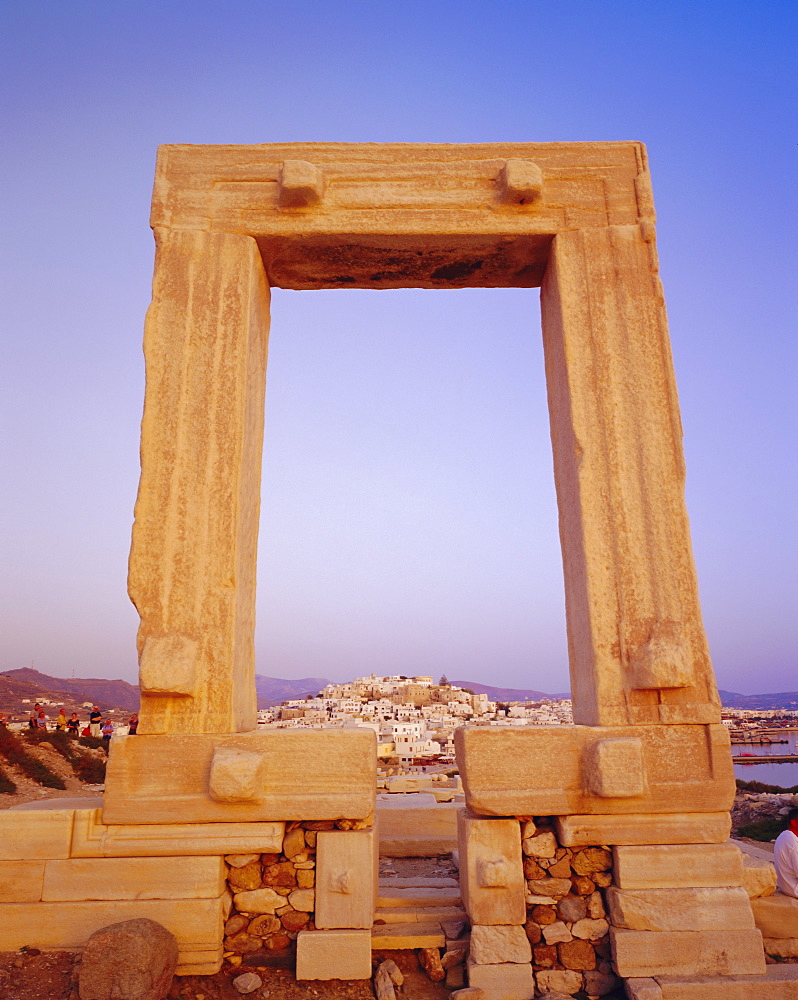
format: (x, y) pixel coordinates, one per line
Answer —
(409, 522)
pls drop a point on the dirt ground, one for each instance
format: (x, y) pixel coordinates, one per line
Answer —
(35, 975)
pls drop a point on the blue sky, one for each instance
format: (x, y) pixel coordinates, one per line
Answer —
(408, 516)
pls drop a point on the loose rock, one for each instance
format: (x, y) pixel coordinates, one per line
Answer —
(248, 982)
(135, 959)
(430, 959)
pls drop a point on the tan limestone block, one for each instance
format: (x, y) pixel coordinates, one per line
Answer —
(91, 838)
(491, 867)
(677, 866)
(346, 879)
(198, 924)
(779, 982)
(501, 224)
(134, 878)
(680, 909)
(333, 954)
(29, 835)
(759, 877)
(402, 937)
(494, 944)
(684, 828)
(200, 963)
(323, 774)
(637, 646)
(507, 981)
(776, 916)
(21, 881)
(715, 953)
(421, 829)
(194, 545)
(540, 770)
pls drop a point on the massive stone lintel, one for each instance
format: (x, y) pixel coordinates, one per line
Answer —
(311, 774)
(544, 770)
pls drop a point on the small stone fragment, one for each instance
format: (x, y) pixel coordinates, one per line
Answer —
(556, 932)
(542, 845)
(528, 829)
(576, 955)
(602, 879)
(454, 955)
(430, 960)
(283, 874)
(248, 982)
(559, 981)
(455, 977)
(560, 869)
(278, 942)
(582, 885)
(590, 930)
(544, 914)
(294, 842)
(532, 869)
(294, 920)
(263, 925)
(239, 860)
(595, 906)
(393, 970)
(453, 928)
(591, 859)
(383, 985)
(554, 887)
(469, 993)
(572, 908)
(643, 989)
(236, 923)
(600, 983)
(303, 899)
(544, 956)
(306, 879)
(532, 931)
(246, 877)
(258, 901)
(242, 943)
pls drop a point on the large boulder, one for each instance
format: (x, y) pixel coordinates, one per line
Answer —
(131, 960)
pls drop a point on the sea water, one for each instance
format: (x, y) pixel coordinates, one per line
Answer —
(785, 775)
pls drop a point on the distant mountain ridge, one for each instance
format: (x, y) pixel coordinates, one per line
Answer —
(105, 693)
(26, 682)
(508, 694)
(275, 690)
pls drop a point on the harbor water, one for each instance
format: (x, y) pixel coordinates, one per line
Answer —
(785, 774)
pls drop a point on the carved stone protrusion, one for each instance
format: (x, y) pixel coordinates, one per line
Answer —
(341, 881)
(236, 775)
(168, 665)
(301, 184)
(614, 769)
(492, 874)
(664, 661)
(520, 182)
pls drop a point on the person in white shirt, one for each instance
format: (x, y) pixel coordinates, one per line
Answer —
(785, 857)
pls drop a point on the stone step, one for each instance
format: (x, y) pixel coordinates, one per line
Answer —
(418, 882)
(388, 896)
(401, 937)
(780, 982)
(422, 914)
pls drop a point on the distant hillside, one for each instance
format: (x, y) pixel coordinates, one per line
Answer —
(785, 699)
(105, 693)
(508, 694)
(275, 690)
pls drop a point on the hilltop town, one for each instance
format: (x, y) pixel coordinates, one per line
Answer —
(414, 718)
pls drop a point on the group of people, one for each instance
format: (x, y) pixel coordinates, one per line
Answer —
(96, 726)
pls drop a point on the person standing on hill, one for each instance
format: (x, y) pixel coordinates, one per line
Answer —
(785, 856)
(95, 721)
(133, 724)
(73, 726)
(61, 722)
